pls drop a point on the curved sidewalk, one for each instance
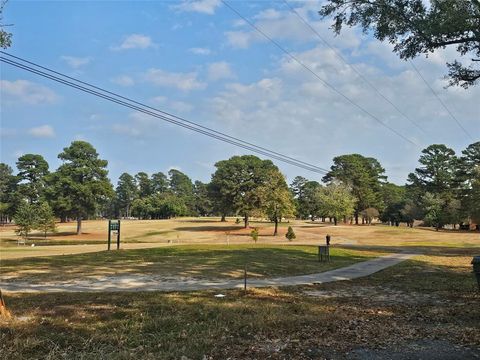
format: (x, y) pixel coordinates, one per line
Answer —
(139, 282)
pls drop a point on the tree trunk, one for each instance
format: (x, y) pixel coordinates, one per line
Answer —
(223, 218)
(356, 218)
(79, 225)
(275, 232)
(245, 219)
(335, 221)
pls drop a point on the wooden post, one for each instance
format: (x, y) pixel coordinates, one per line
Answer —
(245, 278)
(118, 236)
(109, 233)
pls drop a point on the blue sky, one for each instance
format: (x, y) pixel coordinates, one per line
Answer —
(199, 60)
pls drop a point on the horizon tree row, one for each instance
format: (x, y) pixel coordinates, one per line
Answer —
(444, 189)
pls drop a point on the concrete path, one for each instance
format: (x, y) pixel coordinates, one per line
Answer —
(140, 282)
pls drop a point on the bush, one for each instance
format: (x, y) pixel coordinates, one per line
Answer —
(237, 221)
(290, 235)
(254, 234)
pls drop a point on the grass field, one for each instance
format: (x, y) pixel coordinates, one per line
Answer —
(420, 308)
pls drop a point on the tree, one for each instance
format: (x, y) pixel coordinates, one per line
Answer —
(126, 192)
(369, 214)
(469, 180)
(45, 219)
(394, 198)
(415, 28)
(181, 185)
(25, 219)
(202, 201)
(5, 36)
(305, 196)
(159, 183)
(9, 196)
(33, 170)
(278, 201)
(290, 235)
(364, 176)
(84, 178)
(440, 210)
(237, 184)
(336, 201)
(144, 184)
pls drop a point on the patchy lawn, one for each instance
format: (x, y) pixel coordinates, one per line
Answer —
(196, 261)
(427, 307)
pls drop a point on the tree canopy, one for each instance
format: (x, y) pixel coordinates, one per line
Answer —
(415, 27)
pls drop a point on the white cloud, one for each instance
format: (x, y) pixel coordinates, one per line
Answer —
(181, 81)
(135, 41)
(76, 62)
(26, 92)
(200, 6)
(175, 105)
(44, 131)
(123, 80)
(200, 51)
(220, 70)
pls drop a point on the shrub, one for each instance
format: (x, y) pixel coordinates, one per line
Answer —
(254, 234)
(290, 235)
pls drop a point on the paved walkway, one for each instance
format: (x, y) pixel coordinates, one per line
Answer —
(140, 282)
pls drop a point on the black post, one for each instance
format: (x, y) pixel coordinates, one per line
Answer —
(118, 236)
(109, 233)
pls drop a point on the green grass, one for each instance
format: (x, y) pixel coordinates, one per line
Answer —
(199, 261)
(428, 298)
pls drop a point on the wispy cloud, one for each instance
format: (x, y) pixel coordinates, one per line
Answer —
(76, 62)
(44, 131)
(200, 6)
(123, 80)
(182, 81)
(26, 92)
(135, 41)
(220, 70)
(200, 51)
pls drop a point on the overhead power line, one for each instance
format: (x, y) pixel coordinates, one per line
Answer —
(324, 82)
(354, 68)
(440, 101)
(138, 106)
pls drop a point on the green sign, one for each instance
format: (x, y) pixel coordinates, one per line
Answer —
(114, 226)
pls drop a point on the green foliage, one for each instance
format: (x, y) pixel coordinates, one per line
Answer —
(441, 210)
(45, 219)
(254, 234)
(305, 197)
(32, 172)
(182, 187)
(84, 178)
(364, 176)
(202, 202)
(336, 201)
(290, 235)
(25, 219)
(9, 196)
(159, 182)
(415, 28)
(5, 36)
(126, 192)
(144, 184)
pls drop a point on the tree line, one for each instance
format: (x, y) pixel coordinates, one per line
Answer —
(444, 189)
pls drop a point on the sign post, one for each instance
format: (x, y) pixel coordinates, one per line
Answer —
(113, 226)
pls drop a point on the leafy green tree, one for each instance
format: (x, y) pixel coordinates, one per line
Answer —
(290, 235)
(45, 219)
(126, 192)
(9, 197)
(57, 195)
(181, 186)
(415, 27)
(203, 203)
(32, 171)
(336, 201)
(305, 197)
(167, 205)
(469, 180)
(364, 176)
(25, 219)
(440, 210)
(142, 208)
(369, 214)
(254, 234)
(394, 197)
(278, 201)
(5, 36)
(144, 184)
(238, 182)
(159, 183)
(84, 177)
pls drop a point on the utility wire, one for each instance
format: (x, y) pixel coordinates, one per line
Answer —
(354, 68)
(293, 57)
(141, 108)
(440, 100)
(158, 110)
